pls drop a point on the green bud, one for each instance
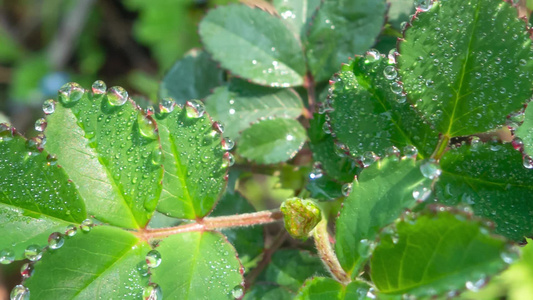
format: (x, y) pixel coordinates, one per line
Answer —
(300, 217)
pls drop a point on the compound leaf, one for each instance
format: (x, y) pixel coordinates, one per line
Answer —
(208, 264)
(36, 196)
(435, 254)
(240, 104)
(490, 178)
(328, 288)
(382, 193)
(194, 163)
(98, 264)
(253, 44)
(467, 65)
(272, 141)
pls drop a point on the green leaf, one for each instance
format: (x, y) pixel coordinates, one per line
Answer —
(248, 241)
(192, 77)
(399, 12)
(525, 131)
(260, 291)
(457, 65)
(366, 115)
(491, 178)
(240, 104)
(36, 196)
(324, 188)
(296, 13)
(207, 264)
(27, 76)
(194, 163)
(253, 44)
(435, 254)
(340, 29)
(108, 153)
(100, 264)
(326, 288)
(272, 141)
(380, 195)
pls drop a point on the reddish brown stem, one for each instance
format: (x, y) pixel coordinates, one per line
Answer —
(309, 84)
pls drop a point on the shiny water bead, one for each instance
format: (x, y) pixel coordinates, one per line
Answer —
(146, 127)
(143, 268)
(49, 106)
(410, 151)
(26, 270)
(7, 256)
(237, 292)
(423, 5)
(368, 158)
(392, 151)
(195, 109)
(70, 93)
(153, 259)
(475, 286)
(152, 292)
(99, 87)
(33, 253)
(40, 124)
(390, 72)
(421, 192)
(167, 105)
(366, 247)
(229, 160)
(346, 189)
(401, 98)
(157, 156)
(71, 230)
(227, 144)
(396, 87)
(20, 292)
(86, 225)
(372, 56)
(326, 128)
(6, 132)
(117, 96)
(527, 162)
(430, 169)
(316, 171)
(56, 240)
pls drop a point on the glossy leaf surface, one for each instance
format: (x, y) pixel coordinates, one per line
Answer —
(101, 263)
(254, 45)
(272, 141)
(327, 288)
(240, 104)
(207, 263)
(194, 165)
(192, 77)
(367, 113)
(106, 154)
(466, 72)
(436, 254)
(340, 29)
(380, 195)
(525, 131)
(296, 13)
(36, 197)
(493, 181)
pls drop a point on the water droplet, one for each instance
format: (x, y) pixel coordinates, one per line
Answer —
(71, 230)
(372, 56)
(143, 268)
(390, 72)
(368, 158)
(20, 292)
(152, 292)
(430, 83)
(392, 151)
(99, 87)
(26, 270)
(522, 62)
(229, 160)
(365, 247)
(40, 124)
(421, 192)
(156, 156)
(401, 98)
(195, 109)
(475, 286)
(509, 257)
(227, 144)
(527, 162)
(341, 149)
(423, 5)
(237, 292)
(167, 105)
(410, 151)
(218, 128)
(326, 128)
(146, 127)
(7, 256)
(346, 189)
(86, 225)
(117, 96)
(430, 169)
(153, 259)
(49, 106)
(33, 253)
(55, 240)
(70, 93)
(316, 171)
(396, 87)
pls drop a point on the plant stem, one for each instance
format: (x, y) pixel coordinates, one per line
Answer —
(309, 84)
(441, 147)
(327, 254)
(262, 217)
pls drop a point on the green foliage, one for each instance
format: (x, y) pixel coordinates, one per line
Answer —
(419, 195)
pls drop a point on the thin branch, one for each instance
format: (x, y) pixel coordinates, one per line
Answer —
(309, 84)
(323, 246)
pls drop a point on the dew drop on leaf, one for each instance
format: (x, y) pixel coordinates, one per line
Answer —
(227, 144)
(56, 240)
(372, 56)
(33, 253)
(99, 87)
(152, 292)
(195, 109)
(229, 160)
(7, 256)
(316, 171)
(475, 286)
(390, 72)
(20, 292)
(346, 189)
(40, 124)
(392, 151)
(153, 259)
(218, 128)
(26, 270)
(156, 156)
(410, 151)
(146, 127)
(86, 225)
(527, 162)
(237, 292)
(49, 106)
(368, 158)
(421, 192)
(366, 247)
(117, 96)
(71, 230)
(430, 169)
(167, 105)
(70, 93)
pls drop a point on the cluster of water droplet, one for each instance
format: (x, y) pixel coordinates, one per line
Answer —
(152, 260)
